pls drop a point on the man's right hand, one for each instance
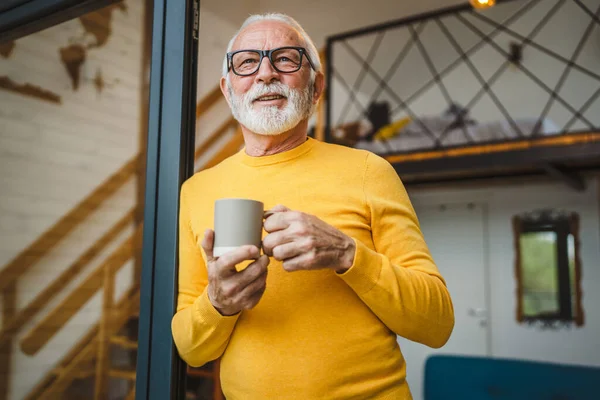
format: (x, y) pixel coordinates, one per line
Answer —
(231, 291)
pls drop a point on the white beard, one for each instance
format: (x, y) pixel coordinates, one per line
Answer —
(270, 120)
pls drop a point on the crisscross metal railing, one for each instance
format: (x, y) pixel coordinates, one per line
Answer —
(487, 30)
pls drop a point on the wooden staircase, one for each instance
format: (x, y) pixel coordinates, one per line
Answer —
(105, 356)
(82, 360)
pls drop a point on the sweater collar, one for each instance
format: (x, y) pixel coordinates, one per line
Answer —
(279, 157)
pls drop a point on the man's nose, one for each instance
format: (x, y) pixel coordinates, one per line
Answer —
(266, 73)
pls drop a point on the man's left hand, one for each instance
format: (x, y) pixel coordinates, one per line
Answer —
(304, 242)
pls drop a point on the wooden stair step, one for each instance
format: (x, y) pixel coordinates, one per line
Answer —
(131, 395)
(81, 373)
(124, 342)
(122, 373)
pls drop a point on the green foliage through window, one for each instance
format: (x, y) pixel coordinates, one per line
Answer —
(547, 268)
(539, 271)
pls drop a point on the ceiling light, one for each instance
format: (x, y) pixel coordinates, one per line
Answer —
(481, 4)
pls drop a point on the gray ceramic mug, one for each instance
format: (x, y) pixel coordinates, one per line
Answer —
(238, 222)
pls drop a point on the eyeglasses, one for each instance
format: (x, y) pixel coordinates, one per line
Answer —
(283, 59)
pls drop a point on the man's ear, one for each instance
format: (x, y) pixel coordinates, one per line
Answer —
(319, 87)
(223, 84)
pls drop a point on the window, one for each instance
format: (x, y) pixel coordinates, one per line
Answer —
(548, 268)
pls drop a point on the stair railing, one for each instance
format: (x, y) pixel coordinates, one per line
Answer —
(102, 278)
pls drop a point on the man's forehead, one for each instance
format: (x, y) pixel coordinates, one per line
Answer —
(265, 34)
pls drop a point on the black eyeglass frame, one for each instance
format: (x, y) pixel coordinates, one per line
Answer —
(269, 54)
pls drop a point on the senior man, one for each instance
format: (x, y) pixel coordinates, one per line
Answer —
(348, 267)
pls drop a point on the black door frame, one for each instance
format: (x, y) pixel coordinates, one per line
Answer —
(31, 16)
(170, 161)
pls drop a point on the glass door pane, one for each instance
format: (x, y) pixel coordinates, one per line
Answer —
(72, 144)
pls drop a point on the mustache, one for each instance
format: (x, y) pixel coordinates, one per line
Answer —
(261, 89)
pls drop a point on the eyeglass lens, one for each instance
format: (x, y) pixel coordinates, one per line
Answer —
(284, 60)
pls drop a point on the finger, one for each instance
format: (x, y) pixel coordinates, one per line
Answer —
(279, 221)
(301, 262)
(234, 285)
(207, 244)
(275, 239)
(253, 271)
(286, 251)
(249, 296)
(267, 214)
(276, 209)
(227, 262)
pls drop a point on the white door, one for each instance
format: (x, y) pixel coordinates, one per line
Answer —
(456, 236)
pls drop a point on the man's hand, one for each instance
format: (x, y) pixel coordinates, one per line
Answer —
(304, 242)
(231, 291)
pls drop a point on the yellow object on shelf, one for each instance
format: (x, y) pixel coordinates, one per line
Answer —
(391, 130)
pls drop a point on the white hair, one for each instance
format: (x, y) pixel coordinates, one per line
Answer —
(311, 49)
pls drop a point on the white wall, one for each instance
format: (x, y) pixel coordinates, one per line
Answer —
(508, 338)
(219, 21)
(322, 18)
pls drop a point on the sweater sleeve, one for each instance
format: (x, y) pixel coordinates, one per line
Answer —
(399, 280)
(200, 332)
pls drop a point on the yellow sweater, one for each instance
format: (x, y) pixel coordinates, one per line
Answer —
(315, 334)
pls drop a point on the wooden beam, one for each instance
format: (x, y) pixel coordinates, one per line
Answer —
(55, 382)
(495, 148)
(67, 358)
(9, 297)
(59, 371)
(570, 178)
(221, 130)
(124, 342)
(40, 334)
(131, 395)
(13, 325)
(320, 125)
(208, 101)
(122, 374)
(518, 156)
(82, 372)
(70, 372)
(105, 325)
(232, 147)
(49, 239)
